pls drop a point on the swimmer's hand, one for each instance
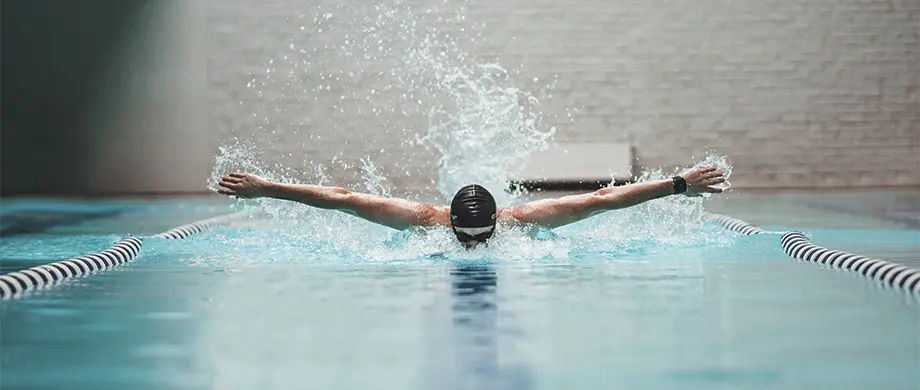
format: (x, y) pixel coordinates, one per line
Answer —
(243, 185)
(701, 180)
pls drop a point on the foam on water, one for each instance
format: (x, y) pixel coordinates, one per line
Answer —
(481, 127)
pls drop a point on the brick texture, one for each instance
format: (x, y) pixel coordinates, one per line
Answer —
(797, 93)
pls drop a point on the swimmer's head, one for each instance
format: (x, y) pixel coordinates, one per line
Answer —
(472, 215)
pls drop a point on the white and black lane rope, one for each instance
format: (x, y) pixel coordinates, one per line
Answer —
(13, 284)
(734, 224)
(797, 246)
(196, 227)
(123, 251)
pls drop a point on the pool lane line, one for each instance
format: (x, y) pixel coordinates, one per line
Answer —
(734, 224)
(196, 227)
(797, 246)
(13, 284)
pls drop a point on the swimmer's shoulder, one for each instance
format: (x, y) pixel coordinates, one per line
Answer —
(506, 218)
(505, 215)
(434, 215)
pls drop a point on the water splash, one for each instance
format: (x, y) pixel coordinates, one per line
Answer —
(485, 131)
(481, 128)
(373, 179)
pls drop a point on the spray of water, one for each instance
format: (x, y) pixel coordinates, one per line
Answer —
(480, 129)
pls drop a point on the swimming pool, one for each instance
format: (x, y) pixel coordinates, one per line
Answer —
(301, 298)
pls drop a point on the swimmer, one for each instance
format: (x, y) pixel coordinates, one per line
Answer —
(473, 215)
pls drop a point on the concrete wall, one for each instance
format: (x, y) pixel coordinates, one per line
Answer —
(798, 93)
(104, 96)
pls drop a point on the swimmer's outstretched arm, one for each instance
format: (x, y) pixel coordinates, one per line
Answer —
(568, 209)
(392, 212)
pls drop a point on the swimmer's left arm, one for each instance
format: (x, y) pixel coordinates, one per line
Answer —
(568, 209)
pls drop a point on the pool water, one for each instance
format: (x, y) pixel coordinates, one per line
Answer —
(303, 299)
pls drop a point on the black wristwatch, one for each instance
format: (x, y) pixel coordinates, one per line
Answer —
(680, 185)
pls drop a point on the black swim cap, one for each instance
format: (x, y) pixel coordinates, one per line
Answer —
(473, 206)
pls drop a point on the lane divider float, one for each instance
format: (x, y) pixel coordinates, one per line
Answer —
(797, 246)
(122, 252)
(196, 227)
(13, 284)
(734, 224)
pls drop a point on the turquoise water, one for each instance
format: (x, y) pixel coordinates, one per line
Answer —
(301, 302)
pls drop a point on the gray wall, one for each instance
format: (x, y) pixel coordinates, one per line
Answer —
(135, 96)
(796, 93)
(104, 96)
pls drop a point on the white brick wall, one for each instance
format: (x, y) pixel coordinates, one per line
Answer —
(798, 93)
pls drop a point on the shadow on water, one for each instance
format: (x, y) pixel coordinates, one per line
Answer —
(475, 332)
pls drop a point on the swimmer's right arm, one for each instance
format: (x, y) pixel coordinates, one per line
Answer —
(392, 212)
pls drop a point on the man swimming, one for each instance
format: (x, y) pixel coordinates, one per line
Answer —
(473, 214)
